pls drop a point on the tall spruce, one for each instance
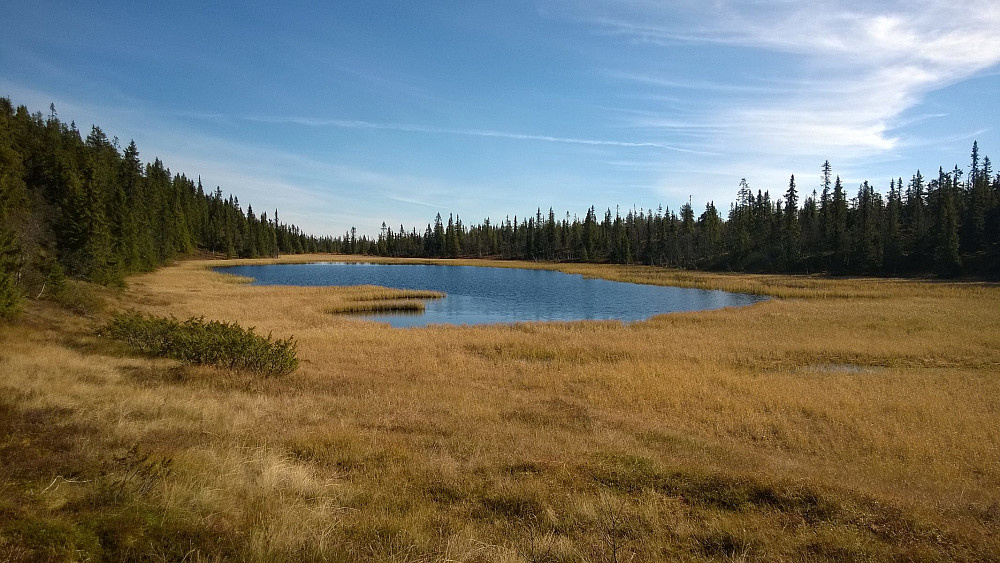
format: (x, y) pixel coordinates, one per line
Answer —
(947, 260)
(791, 231)
(13, 196)
(838, 227)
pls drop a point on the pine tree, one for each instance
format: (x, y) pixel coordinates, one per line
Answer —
(838, 227)
(865, 235)
(810, 227)
(437, 245)
(12, 198)
(453, 249)
(710, 230)
(826, 209)
(790, 227)
(893, 251)
(134, 241)
(740, 225)
(977, 205)
(589, 235)
(947, 259)
(687, 235)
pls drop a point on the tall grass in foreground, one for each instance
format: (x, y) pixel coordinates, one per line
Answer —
(848, 419)
(198, 341)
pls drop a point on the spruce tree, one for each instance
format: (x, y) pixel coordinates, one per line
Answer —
(893, 252)
(947, 259)
(826, 208)
(838, 227)
(791, 233)
(809, 226)
(865, 235)
(12, 199)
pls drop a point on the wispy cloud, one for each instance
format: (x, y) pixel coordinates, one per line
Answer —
(695, 84)
(357, 124)
(860, 66)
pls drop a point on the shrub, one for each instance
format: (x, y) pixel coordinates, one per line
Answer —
(82, 298)
(198, 341)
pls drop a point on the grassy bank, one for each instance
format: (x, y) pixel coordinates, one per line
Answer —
(846, 419)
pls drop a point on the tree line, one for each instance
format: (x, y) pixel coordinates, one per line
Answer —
(946, 225)
(86, 208)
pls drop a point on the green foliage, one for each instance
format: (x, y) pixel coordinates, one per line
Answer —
(104, 214)
(55, 282)
(12, 197)
(10, 295)
(79, 297)
(946, 227)
(198, 341)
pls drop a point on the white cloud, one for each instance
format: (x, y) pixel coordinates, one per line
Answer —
(859, 66)
(404, 127)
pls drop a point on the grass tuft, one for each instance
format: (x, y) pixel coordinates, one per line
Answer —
(375, 307)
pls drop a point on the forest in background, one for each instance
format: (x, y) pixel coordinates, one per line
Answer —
(85, 208)
(948, 225)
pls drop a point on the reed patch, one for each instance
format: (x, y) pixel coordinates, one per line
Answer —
(373, 300)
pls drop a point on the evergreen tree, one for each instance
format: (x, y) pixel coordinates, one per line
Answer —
(947, 259)
(809, 225)
(826, 209)
(451, 239)
(838, 227)
(12, 198)
(977, 205)
(790, 226)
(891, 227)
(866, 236)
(710, 230)
(437, 244)
(687, 236)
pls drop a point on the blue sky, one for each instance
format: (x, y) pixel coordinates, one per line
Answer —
(351, 113)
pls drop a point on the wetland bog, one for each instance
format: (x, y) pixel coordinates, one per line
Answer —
(842, 419)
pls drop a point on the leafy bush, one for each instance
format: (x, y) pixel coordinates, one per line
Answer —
(198, 341)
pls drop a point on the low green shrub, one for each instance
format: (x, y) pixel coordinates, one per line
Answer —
(80, 297)
(198, 341)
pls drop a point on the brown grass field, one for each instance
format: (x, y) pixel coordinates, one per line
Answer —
(845, 419)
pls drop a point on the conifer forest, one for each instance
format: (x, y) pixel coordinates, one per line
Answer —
(947, 225)
(80, 205)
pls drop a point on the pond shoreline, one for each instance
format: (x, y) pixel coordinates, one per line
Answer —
(482, 294)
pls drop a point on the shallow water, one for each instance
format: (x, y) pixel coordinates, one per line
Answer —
(480, 295)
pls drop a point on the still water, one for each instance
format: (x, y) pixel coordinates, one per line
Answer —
(478, 295)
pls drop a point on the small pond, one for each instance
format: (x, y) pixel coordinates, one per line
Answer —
(480, 295)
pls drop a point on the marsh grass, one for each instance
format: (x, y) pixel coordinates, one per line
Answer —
(371, 307)
(734, 434)
(374, 300)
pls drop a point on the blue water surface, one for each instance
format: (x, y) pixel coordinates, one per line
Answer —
(480, 295)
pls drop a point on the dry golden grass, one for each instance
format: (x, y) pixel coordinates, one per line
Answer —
(845, 419)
